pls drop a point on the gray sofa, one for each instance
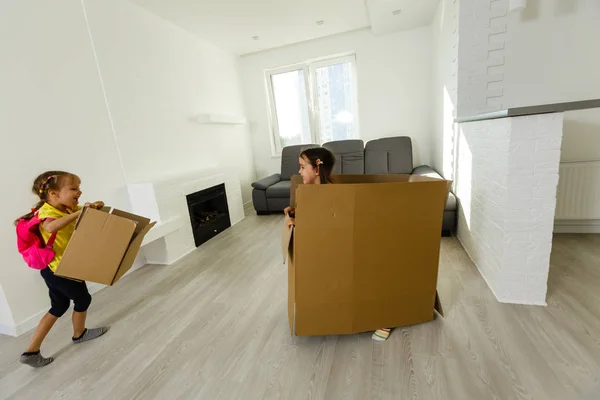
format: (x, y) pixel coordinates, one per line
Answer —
(382, 156)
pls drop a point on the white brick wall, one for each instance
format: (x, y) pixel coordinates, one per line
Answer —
(481, 55)
(506, 182)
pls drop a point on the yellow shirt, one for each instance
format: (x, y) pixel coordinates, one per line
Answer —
(62, 236)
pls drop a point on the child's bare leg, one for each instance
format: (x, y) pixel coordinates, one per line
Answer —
(32, 356)
(78, 323)
(80, 333)
(41, 332)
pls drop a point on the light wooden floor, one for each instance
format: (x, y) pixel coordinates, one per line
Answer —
(214, 326)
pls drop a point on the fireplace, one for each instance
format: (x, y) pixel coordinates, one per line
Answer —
(209, 213)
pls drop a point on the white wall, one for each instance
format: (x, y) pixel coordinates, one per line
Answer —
(158, 77)
(394, 87)
(444, 84)
(552, 56)
(52, 116)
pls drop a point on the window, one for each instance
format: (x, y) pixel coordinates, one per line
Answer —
(313, 102)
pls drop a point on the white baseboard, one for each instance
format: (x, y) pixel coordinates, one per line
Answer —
(30, 323)
(577, 226)
(248, 207)
(171, 262)
(8, 330)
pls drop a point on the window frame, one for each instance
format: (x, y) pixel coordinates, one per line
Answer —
(309, 68)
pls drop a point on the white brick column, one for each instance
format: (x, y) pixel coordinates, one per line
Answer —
(482, 37)
(507, 175)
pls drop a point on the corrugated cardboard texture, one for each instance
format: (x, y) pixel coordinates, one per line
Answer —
(97, 247)
(134, 248)
(366, 253)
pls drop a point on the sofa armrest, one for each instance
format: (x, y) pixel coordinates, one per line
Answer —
(426, 170)
(267, 182)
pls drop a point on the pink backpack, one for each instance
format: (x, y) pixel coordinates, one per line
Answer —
(31, 245)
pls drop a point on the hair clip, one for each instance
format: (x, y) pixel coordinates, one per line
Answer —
(319, 162)
(45, 184)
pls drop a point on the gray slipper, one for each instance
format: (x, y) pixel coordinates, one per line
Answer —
(35, 360)
(91, 334)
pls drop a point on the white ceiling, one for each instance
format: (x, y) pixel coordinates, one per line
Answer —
(393, 15)
(232, 24)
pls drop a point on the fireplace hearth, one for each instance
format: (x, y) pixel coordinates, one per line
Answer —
(209, 213)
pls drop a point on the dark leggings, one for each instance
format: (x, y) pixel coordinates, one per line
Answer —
(63, 290)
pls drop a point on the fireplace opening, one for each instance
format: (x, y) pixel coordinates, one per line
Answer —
(209, 213)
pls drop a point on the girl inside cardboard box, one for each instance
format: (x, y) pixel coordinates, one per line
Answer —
(316, 165)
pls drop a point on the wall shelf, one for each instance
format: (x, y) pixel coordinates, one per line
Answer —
(220, 119)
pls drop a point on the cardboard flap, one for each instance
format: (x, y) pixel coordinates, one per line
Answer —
(449, 186)
(374, 178)
(438, 304)
(420, 178)
(286, 238)
(131, 253)
(83, 210)
(294, 182)
(423, 178)
(142, 222)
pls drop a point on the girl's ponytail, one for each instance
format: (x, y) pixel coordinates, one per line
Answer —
(321, 158)
(30, 214)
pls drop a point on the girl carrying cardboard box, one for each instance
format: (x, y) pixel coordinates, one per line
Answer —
(53, 218)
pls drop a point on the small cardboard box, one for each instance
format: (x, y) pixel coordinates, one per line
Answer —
(364, 253)
(103, 246)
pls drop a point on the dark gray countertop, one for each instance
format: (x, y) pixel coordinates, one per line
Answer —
(532, 110)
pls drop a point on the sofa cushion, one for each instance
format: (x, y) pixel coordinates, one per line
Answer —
(425, 170)
(264, 183)
(389, 156)
(349, 156)
(259, 199)
(289, 160)
(279, 190)
(451, 203)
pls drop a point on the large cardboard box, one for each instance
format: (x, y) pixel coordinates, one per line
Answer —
(103, 246)
(364, 253)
